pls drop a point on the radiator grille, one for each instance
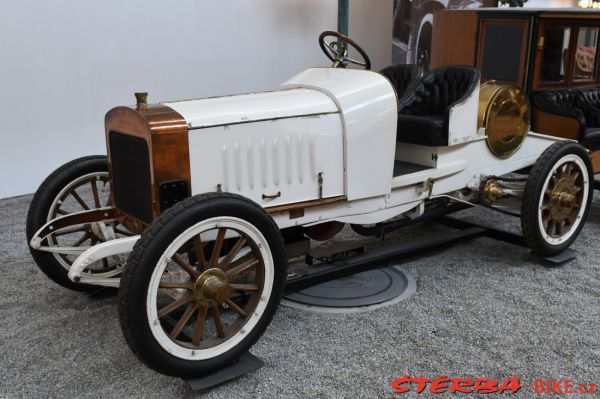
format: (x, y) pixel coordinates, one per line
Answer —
(130, 166)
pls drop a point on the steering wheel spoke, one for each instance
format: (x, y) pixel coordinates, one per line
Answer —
(337, 50)
(352, 61)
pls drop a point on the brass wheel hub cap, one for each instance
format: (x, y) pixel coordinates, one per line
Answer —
(211, 288)
(563, 199)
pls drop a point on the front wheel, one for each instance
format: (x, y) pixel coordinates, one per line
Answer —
(80, 185)
(557, 198)
(202, 284)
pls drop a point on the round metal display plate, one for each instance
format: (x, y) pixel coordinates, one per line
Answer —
(357, 293)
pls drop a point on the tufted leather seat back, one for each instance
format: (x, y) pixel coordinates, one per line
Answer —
(401, 76)
(424, 113)
(562, 98)
(440, 88)
(580, 104)
(589, 96)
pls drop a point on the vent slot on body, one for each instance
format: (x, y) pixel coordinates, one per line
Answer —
(130, 165)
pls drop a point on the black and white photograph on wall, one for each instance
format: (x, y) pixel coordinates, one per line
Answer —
(413, 28)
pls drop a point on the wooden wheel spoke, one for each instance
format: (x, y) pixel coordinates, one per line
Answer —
(234, 271)
(549, 227)
(62, 212)
(244, 287)
(199, 248)
(187, 315)
(233, 252)
(218, 322)
(559, 227)
(233, 306)
(575, 176)
(105, 263)
(545, 218)
(183, 264)
(174, 305)
(200, 326)
(214, 258)
(95, 193)
(81, 201)
(569, 169)
(172, 285)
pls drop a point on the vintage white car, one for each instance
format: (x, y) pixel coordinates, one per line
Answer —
(188, 214)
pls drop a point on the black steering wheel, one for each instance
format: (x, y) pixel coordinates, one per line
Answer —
(337, 50)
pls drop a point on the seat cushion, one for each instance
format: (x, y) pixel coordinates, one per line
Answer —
(424, 130)
(591, 138)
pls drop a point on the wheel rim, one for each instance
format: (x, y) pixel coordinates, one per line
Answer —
(210, 288)
(90, 191)
(563, 199)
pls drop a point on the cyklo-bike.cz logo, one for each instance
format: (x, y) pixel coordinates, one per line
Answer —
(444, 384)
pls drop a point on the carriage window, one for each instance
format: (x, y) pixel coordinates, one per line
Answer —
(554, 57)
(585, 55)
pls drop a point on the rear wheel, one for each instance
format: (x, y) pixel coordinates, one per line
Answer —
(202, 284)
(557, 198)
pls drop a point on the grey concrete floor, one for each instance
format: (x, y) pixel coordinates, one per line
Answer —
(482, 309)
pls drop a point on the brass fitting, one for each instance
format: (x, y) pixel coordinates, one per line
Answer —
(492, 191)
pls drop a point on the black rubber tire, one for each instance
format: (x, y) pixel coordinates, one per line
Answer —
(141, 263)
(533, 189)
(40, 207)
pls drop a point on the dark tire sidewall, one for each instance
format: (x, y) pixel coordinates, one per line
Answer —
(143, 259)
(533, 189)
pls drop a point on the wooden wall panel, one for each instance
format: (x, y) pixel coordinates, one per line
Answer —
(454, 38)
(555, 125)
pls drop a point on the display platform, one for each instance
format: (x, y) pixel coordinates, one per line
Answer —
(360, 292)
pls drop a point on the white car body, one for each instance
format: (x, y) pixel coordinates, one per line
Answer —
(325, 134)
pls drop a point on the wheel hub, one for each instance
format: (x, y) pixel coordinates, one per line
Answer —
(562, 199)
(211, 288)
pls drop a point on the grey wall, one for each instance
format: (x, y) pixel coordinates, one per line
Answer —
(64, 63)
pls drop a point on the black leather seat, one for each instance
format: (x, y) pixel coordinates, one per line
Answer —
(401, 76)
(580, 104)
(424, 114)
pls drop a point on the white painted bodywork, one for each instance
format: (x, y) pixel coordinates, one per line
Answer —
(462, 126)
(244, 108)
(263, 158)
(98, 252)
(368, 106)
(337, 123)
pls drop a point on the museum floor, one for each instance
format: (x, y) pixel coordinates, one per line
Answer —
(482, 309)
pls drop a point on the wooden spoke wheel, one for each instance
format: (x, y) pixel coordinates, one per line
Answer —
(87, 192)
(80, 185)
(557, 198)
(202, 284)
